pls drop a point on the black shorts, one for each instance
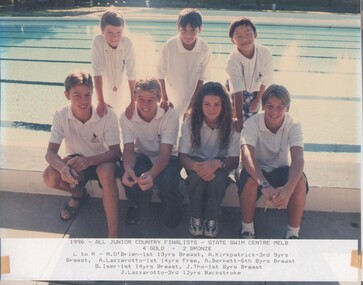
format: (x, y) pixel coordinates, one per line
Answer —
(277, 178)
(90, 173)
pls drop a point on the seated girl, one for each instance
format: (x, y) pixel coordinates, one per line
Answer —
(209, 149)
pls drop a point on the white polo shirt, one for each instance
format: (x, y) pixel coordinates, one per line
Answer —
(181, 69)
(272, 150)
(147, 136)
(112, 65)
(209, 147)
(88, 139)
(257, 70)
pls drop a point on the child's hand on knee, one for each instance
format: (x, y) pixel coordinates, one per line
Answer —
(78, 163)
(145, 181)
(69, 175)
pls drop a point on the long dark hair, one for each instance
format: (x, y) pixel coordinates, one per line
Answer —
(225, 121)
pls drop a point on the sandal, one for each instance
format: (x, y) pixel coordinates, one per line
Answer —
(72, 211)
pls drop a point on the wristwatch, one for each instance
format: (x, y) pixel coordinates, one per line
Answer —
(264, 184)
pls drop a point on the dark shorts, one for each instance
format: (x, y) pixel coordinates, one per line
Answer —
(142, 164)
(277, 178)
(90, 173)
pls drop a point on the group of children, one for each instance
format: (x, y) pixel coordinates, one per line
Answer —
(154, 152)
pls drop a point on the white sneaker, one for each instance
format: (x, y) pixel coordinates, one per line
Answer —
(196, 226)
(211, 228)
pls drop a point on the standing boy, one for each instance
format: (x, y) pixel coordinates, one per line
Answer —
(150, 154)
(183, 62)
(112, 56)
(266, 141)
(249, 70)
(92, 146)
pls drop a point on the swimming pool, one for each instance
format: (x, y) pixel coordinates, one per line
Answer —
(320, 65)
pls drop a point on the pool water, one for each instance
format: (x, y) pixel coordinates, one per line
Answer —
(320, 66)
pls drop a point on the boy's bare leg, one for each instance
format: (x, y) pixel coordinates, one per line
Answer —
(53, 179)
(247, 201)
(106, 175)
(297, 203)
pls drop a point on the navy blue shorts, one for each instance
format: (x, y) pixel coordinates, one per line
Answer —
(90, 173)
(277, 178)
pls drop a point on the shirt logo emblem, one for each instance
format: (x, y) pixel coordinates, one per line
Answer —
(259, 77)
(94, 138)
(123, 65)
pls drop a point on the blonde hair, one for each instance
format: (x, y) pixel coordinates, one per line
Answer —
(150, 84)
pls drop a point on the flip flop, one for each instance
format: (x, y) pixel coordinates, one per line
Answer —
(72, 211)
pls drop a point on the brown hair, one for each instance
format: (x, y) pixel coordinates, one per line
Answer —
(111, 18)
(189, 16)
(225, 121)
(240, 21)
(78, 77)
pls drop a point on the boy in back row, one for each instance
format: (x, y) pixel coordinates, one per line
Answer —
(113, 57)
(183, 63)
(249, 69)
